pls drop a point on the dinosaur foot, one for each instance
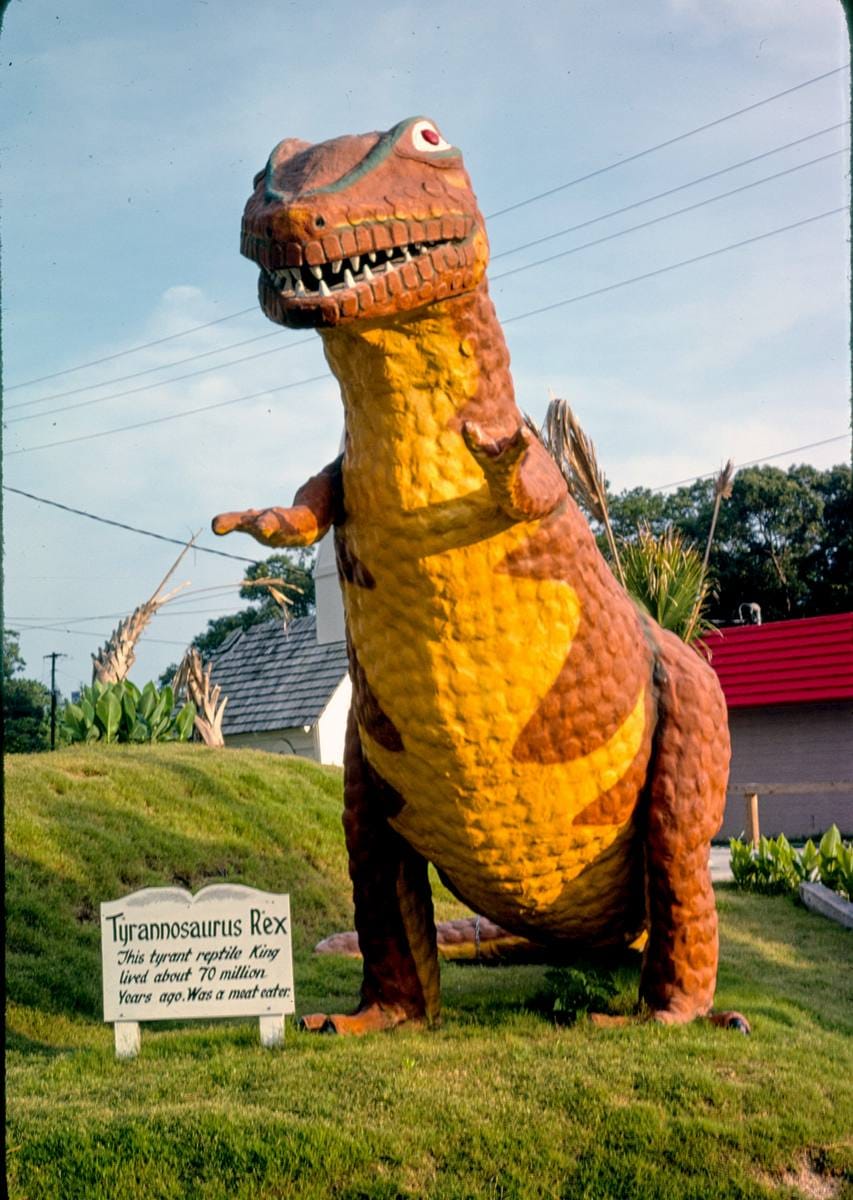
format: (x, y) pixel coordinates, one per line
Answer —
(726, 1020)
(680, 1016)
(731, 1020)
(375, 1018)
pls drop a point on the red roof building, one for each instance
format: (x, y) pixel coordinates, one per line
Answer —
(789, 690)
(785, 661)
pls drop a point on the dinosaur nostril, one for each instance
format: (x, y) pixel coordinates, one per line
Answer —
(319, 222)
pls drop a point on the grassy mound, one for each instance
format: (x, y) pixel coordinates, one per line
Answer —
(497, 1102)
(91, 824)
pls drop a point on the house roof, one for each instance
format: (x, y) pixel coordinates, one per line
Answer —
(785, 662)
(277, 678)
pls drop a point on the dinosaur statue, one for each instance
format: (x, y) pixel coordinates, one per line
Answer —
(516, 720)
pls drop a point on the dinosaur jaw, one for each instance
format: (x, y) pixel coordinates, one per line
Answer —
(380, 280)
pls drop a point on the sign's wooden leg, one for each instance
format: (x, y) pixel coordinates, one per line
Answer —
(127, 1039)
(272, 1030)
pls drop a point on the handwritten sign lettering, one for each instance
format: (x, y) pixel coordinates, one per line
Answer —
(168, 955)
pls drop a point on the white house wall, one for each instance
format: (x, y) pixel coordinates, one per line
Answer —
(332, 726)
(330, 604)
(276, 741)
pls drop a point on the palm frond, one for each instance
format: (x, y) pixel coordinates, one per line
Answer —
(666, 576)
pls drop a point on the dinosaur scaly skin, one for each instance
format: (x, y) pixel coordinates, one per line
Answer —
(515, 720)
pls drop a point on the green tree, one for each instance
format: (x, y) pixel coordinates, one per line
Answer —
(294, 567)
(783, 538)
(26, 703)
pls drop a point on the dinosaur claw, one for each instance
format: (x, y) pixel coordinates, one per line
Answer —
(313, 1023)
(482, 445)
(731, 1020)
(223, 523)
(374, 1018)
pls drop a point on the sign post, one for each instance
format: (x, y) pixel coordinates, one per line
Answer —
(168, 955)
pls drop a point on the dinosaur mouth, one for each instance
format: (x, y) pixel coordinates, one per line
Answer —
(368, 270)
(344, 274)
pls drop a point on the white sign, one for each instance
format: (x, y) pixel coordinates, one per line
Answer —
(169, 955)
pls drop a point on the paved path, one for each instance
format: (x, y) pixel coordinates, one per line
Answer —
(721, 872)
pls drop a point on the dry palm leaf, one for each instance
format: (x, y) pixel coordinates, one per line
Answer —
(193, 680)
(574, 453)
(115, 658)
(723, 485)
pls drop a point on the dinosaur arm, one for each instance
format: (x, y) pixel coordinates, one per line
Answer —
(317, 505)
(522, 476)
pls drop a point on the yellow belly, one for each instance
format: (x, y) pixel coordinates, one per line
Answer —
(460, 654)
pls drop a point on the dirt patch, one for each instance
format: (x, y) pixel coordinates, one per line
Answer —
(808, 1181)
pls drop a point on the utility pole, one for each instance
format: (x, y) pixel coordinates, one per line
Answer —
(53, 657)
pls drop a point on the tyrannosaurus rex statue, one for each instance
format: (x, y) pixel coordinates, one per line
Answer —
(516, 720)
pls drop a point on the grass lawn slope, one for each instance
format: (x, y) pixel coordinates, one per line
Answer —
(498, 1102)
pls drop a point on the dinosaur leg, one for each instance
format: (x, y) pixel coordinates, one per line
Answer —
(393, 909)
(687, 797)
(317, 505)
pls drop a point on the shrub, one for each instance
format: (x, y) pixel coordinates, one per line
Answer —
(120, 712)
(572, 992)
(776, 868)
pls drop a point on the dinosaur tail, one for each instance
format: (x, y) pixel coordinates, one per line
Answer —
(469, 939)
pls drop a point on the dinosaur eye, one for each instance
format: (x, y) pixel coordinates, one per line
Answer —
(426, 137)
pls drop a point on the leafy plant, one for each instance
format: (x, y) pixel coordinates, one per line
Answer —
(775, 867)
(120, 712)
(573, 992)
(666, 576)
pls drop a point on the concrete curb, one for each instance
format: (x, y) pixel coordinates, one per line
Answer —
(822, 900)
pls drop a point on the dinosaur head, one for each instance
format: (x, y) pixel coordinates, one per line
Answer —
(364, 226)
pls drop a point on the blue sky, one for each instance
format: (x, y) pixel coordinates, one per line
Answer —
(130, 135)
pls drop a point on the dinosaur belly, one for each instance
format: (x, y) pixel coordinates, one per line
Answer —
(458, 653)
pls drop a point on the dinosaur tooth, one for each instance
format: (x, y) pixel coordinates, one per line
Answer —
(324, 287)
(372, 256)
(368, 274)
(348, 279)
(336, 266)
(356, 262)
(317, 272)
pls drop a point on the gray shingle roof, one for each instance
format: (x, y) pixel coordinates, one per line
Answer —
(277, 678)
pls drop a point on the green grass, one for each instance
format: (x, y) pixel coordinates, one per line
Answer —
(496, 1103)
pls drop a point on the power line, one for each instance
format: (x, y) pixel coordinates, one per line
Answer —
(89, 387)
(163, 382)
(96, 362)
(91, 633)
(495, 278)
(189, 612)
(662, 145)
(841, 437)
(535, 312)
(508, 321)
(667, 216)
(105, 521)
(500, 212)
(189, 412)
(616, 212)
(131, 528)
